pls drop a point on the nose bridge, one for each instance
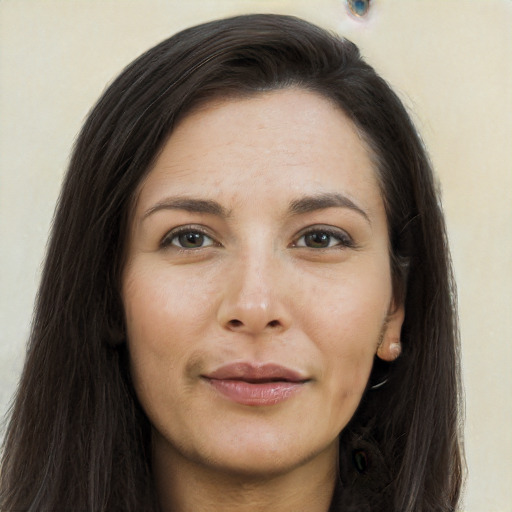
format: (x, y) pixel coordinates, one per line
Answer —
(254, 292)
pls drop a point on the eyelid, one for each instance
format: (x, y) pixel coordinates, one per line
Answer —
(167, 239)
(345, 240)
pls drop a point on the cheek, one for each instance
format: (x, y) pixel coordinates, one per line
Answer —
(161, 321)
(346, 323)
(348, 315)
(348, 358)
(162, 307)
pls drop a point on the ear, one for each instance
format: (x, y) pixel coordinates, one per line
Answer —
(390, 346)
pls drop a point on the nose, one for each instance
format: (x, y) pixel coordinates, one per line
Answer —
(254, 300)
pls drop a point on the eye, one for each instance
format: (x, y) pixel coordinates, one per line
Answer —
(324, 238)
(187, 238)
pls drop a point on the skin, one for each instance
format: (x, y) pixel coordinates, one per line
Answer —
(308, 288)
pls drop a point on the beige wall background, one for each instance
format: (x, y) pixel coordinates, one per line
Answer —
(450, 61)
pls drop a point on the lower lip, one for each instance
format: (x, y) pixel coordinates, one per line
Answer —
(262, 393)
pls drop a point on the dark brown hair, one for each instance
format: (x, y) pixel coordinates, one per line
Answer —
(77, 438)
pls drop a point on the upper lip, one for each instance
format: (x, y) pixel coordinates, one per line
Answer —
(251, 372)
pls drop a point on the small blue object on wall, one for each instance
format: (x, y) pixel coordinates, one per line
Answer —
(358, 7)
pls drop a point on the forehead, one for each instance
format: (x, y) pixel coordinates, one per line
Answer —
(278, 143)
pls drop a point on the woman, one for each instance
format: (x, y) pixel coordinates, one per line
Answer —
(247, 302)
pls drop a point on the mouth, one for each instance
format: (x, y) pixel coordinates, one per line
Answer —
(256, 384)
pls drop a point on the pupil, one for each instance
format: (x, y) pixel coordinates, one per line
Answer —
(317, 240)
(191, 239)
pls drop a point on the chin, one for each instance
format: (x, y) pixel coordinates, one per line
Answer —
(261, 454)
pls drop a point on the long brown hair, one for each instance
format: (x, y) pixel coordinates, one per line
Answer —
(77, 438)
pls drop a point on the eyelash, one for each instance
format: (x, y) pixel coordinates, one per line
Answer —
(167, 240)
(343, 238)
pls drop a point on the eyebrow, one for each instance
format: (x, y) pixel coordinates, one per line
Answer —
(300, 206)
(322, 201)
(188, 204)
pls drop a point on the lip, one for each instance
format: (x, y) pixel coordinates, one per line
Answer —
(256, 384)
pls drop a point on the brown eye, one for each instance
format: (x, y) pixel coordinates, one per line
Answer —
(187, 239)
(317, 240)
(324, 239)
(191, 240)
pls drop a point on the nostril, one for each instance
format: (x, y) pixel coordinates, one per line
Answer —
(237, 324)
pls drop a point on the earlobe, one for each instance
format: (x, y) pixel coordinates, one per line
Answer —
(390, 346)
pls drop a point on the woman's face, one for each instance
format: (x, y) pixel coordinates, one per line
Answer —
(257, 287)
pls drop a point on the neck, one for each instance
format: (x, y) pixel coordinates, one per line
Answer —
(185, 486)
